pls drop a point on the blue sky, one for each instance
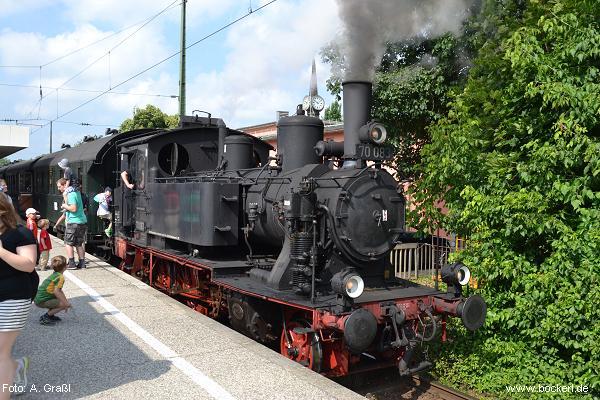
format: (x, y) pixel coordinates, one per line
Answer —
(243, 74)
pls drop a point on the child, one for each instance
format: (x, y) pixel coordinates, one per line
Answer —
(50, 294)
(71, 178)
(104, 199)
(44, 243)
(31, 214)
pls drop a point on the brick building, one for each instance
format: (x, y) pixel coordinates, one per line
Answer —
(268, 131)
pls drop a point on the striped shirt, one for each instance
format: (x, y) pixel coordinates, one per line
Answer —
(13, 314)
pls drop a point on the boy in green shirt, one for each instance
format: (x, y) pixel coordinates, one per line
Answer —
(50, 294)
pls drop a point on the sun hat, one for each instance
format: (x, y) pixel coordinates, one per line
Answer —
(30, 211)
(63, 163)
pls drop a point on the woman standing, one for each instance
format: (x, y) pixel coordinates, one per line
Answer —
(18, 254)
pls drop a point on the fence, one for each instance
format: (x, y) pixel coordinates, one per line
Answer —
(412, 260)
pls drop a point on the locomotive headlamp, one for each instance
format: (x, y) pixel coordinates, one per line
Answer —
(378, 134)
(348, 283)
(373, 132)
(456, 273)
(354, 286)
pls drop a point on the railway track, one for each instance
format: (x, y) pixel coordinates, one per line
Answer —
(437, 389)
(387, 385)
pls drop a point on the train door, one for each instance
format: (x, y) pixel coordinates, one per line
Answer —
(141, 213)
(124, 199)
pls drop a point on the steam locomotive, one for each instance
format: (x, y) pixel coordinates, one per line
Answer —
(292, 250)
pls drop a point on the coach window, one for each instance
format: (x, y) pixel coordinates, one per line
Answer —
(25, 182)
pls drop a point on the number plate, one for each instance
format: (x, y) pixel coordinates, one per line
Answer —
(370, 152)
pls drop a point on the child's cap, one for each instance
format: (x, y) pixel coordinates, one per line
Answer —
(30, 211)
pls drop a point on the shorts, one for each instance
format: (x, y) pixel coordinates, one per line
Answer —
(75, 234)
(105, 216)
(13, 314)
(49, 304)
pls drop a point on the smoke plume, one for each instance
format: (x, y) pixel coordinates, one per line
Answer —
(370, 24)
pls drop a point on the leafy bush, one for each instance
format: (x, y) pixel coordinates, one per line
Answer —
(517, 162)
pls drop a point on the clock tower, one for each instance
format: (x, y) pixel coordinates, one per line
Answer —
(313, 104)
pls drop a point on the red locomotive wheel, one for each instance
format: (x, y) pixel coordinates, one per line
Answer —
(300, 344)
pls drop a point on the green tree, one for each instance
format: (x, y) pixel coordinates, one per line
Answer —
(333, 112)
(4, 161)
(149, 117)
(517, 163)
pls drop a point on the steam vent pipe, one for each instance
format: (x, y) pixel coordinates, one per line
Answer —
(357, 112)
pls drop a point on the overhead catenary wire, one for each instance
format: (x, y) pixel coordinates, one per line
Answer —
(120, 43)
(160, 62)
(26, 121)
(80, 48)
(172, 96)
(147, 21)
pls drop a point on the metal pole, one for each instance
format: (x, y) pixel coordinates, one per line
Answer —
(50, 136)
(182, 65)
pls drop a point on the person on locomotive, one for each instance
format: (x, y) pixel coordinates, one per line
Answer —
(126, 180)
(104, 199)
(76, 229)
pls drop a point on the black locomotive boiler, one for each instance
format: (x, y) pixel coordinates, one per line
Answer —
(293, 250)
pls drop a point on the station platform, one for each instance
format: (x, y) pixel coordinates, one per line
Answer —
(125, 340)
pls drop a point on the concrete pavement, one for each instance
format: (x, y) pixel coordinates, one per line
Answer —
(125, 340)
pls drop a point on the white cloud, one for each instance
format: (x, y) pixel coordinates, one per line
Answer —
(163, 84)
(267, 67)
(11, 7)
(125, 12)
(143, 49)
(254, 68)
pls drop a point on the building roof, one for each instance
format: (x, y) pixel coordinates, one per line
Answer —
(268, 130)
(13, 138)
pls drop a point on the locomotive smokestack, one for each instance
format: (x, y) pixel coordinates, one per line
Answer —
(357, 112)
